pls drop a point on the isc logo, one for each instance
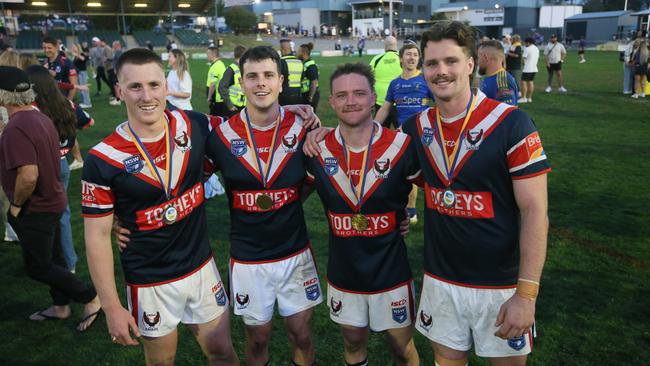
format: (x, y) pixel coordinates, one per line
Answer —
(398, 303)
(310, 282)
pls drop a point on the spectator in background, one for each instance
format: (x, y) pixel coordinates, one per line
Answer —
(98, 56)
(26, 59)
(61, 68)
(640, 61)
(628, 69)
(179, 81)
(361, 45)
(581, 49)
(386, 67)
(497, 83)
(554, 53)
(80, 62)
(292, 69)
(230, 85)
(110, 70)
(7, 58)
(309, 83)
(215, 74)
(530, 57)
(513, 59)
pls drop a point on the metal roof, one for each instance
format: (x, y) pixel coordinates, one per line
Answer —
(598, 14)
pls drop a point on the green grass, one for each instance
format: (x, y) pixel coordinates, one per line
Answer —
(593, 307)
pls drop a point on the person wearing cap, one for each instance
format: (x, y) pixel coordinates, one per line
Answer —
(292, 70)
(386, 67)
(29, 173)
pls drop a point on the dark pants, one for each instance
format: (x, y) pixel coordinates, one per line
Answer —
(314, 101)
(101, 75)
(40, 239)
(112, 80)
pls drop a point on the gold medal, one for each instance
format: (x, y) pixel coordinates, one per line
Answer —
(359, 222)
(264, 202)
(170, 214)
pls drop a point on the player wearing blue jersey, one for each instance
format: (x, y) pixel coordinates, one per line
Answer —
(496, 83)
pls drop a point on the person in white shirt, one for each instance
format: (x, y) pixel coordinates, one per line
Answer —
(530, 57)
(554, 54)
(179, 81)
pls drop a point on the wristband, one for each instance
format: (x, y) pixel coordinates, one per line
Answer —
(527, 289)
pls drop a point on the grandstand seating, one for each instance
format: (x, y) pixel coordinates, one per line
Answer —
(29, 40)
(191, 38)
(107, 36)
(156, 39)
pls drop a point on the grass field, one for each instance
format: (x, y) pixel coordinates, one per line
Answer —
(594, 306)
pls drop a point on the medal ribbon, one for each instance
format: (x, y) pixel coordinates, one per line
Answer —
(169, 151)
(450, 165)
(251, 142)
(359, 188)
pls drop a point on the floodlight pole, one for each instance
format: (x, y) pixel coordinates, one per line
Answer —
(69, 12)
(123, 17)
(216, 18)
(390, 17)
(625, 6)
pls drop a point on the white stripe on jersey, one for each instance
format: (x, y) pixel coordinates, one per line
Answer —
(528, 163)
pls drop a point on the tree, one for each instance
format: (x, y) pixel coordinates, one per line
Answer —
(240, 20)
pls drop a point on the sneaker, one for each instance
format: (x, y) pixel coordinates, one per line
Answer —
(583, 61)
(548, 89)
(529, 100)
(642, 95)
(522, 100)
(635, 96)
(85, 106)
(562, 89)
(413, 220)
(77, 164)
(115, 102)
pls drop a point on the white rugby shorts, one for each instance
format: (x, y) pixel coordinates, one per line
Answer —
(196, 298)
(389, 309)
(256, 286)
(458, 316)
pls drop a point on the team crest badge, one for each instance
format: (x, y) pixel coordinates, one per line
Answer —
(426, 321)
(382, 167)
(427, 136)
(238, 147)
(242, 301)
(312, 292)
(290, 143)
(399, 314)
(517, 343)
(474, 138)
(331, 166)
(133, 164)
(220, 296)
(183, 142)
(335, 306)
(151, 320)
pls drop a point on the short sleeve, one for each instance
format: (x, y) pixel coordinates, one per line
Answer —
(97, 198)
(525, 155)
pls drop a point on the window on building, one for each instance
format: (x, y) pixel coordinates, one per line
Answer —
(422, 8)
(408, 8)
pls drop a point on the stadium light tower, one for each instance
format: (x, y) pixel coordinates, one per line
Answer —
(216, 18)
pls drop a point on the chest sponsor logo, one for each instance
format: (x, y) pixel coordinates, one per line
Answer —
(152, 217)
(312, 289)
(399, 310)
(242, 300)
(517, 343)
(238, 147)
(331, 166)
(471, 205)
(335, 306)
(133, 164)
(183, 142)
(290, 143)
(57, 69)
(382, 167)
(474, 139)
(247, 200)
(378, 224)
(151, 320)
(425, 321)
(219, 294)
(427, 136)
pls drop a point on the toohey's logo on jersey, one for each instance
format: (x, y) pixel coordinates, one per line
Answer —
(312, 290)
(378, 224)
(152, 217)
(151, 320)
(473, 205)
(290, 143)
(247, 200)
(427, 136)
(183, 142)
(133, 164)
(238, 147)
(399, 310)
(381, 168)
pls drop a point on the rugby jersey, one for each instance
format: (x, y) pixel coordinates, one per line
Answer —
(410, 96)
(500, 86)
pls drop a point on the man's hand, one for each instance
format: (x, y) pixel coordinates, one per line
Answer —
(311, 148)
(404, 224)
(121, 325)
(515, 318)
(14, 210)
(121, 235)
(306, 112)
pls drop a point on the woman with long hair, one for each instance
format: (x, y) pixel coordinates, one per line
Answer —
(179, 81)
(640, 61)
(51, 102)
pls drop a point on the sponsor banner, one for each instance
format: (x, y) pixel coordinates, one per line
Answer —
(472, 205)
(152, 217)
(96, 196)
(378, 224)
(246, 200)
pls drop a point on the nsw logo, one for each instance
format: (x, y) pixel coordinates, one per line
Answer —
(133, 164)
(427, 136)
(399, 314)
(312, 292)
(220, 296)
(331, 166)
(517, 343)
(238, 147)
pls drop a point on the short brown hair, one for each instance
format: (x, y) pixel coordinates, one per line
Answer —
(408, 46)
(138, 56)
(354, 68)
(462, 34)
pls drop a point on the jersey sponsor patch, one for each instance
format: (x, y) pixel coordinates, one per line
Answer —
(399, 311)
(472, 205)
(152, 218)
(247, 200)
(312, 290)
(378, 224)
(133, 164)
(238, 147)
(526, 152)
(96, 196)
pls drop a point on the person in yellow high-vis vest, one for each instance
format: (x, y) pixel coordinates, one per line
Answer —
(215, 73)
(292, 69)
(310, 92)
(230, 86)
(386, 68)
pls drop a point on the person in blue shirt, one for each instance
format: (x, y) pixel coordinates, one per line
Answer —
(496, 83)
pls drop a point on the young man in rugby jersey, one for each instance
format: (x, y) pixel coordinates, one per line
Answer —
(496, 83)
(363, 175)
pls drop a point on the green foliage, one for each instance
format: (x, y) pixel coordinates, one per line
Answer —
(240, 20)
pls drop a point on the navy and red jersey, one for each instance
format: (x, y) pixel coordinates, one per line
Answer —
(476, 241)
(116, 180)
(63, 68)
(374, 259)
(256, 234)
